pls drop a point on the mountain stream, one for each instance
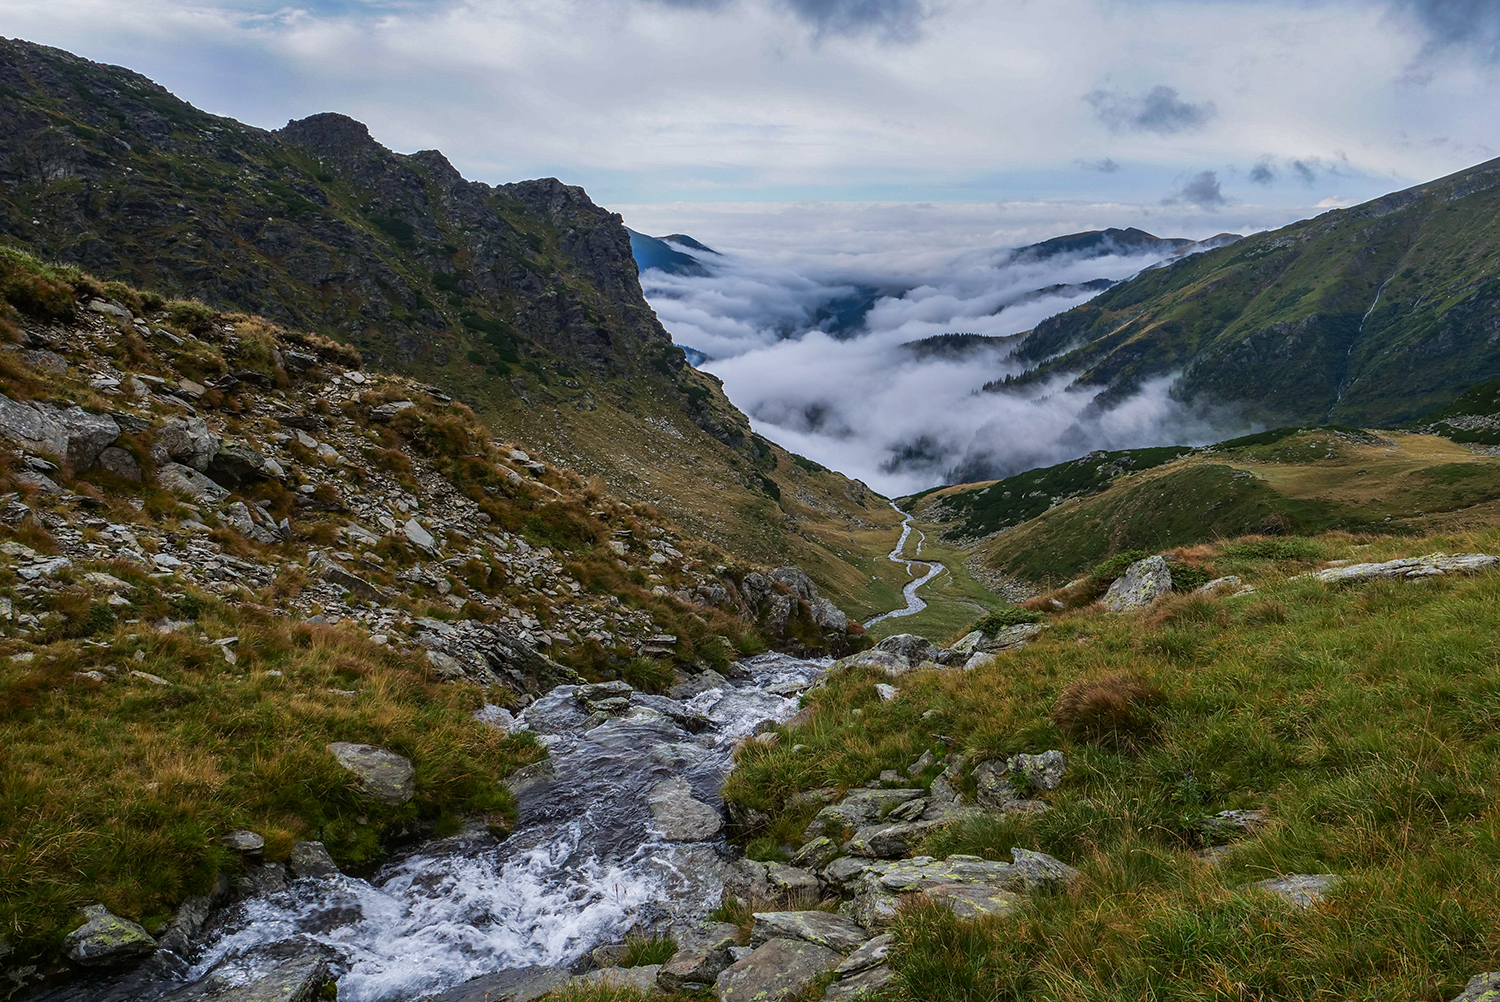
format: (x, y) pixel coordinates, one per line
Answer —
(914, 602)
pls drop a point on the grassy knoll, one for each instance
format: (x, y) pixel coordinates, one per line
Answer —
(1362, 718)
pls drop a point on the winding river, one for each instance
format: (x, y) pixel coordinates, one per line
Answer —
(914, 602)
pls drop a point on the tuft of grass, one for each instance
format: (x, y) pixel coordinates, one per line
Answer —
(643, 951)
(1115, 710)
(649, 674)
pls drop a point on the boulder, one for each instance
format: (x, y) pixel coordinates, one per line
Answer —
(1142, 583)
(863, 984)
(995, 791)
(311, 860)
(106, 939)
(242, 841)
(72, 434)
(522, 984)
(1302, 889)
(386, 412)
(1233, 824)
(829, 616)
(891, 841)
(420, 537)
(120, 463)
(677, 816)
(1432, 565)
(797, 581)
(776, 971)
(836, 932)
(816, 854)
(189, 483)
(968, 644)
(1011, 638)
(1038, 871)
(913, 648)
(892, 664)
(237, 463)
(189, 442)
(1481, 988)
(384, 775)
(858, 809)
(1042, 772)
(700, 959)
(300, 978)
(872, 953)
(88, 435)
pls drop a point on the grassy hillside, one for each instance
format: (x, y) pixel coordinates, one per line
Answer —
(1360, 718)
(1371, 315)
(1292, 482)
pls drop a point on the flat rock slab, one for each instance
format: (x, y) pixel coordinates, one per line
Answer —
(1302, 889)
(524, 984)
(1142, 583)
(872, 953)
(298, 979)
(859, 808)
(822, 928)
(891, 841)
(776, 971)
(105, 938)
(641, 979)
(384, 775)
(678, 816)
(1481, 988)
(1035, 870)
(972, 901)
(1432, 565)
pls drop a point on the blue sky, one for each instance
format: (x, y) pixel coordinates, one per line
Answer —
(1203, 115)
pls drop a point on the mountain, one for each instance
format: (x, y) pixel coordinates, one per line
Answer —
(656, 252)
(522, 299)
(1371, 315)
(1112, 241)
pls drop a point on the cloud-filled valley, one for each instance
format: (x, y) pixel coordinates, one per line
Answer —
(843, 358)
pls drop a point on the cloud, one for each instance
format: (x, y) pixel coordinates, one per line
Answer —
(1202, 189)
(1158, 110)
(1263, 172)
(893, 19)
(859, 401)
(1105, 166)
(1469, 24)
(1305, 171)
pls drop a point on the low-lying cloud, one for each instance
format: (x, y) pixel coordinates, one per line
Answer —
(1159, 110)
(829, 355)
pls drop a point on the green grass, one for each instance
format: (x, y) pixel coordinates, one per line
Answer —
(1362, 717)
(953, 598)
(643, 951)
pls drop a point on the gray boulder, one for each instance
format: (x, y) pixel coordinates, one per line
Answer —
(1432, 565)
(1036, 871)
(858, 809)
(862, 984)
(828, 616)
(700, 959)
(1142, 583)
(189, 483)
(88, 435)
(816, 854)
(1011, 638)
(636, 979)
(1302, 889)
(836, 932)
(105, 939)
(1043, 772)
(189, 442)
(775, 971)
(1481, 988)
(72, 434)
(296, 979)
(874, 952)
(522, 984)
(120, 463)
(311, 860)
(892, 664)
(677, 816)
(891, 841)
(384, 775)
(796, 579)
(237, 463)
(913, 648)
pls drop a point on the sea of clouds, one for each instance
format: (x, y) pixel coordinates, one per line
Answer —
(843, 390)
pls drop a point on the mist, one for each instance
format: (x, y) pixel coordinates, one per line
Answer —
(828, 352)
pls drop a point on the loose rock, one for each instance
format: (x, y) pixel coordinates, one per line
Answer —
(383, 774)
(105, 939)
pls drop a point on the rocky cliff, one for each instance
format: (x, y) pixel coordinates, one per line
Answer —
(520, 299)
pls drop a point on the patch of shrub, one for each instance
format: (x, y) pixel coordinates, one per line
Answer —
(1103, 576)
(643, 951)
(1115, 710)
(1286, 548)
(1186, 577)
(649, 674)
(1003, 617)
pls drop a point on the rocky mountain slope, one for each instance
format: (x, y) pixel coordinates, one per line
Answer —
(1371, 315)
(522, 300)
(225, 544)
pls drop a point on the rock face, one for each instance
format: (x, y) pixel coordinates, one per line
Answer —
(105, 939)
(72, 435)
(775, 971)
(678, 816)
(383, 774)
(1142, 583)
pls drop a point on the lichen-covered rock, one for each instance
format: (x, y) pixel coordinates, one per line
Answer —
(891, 841)
(640, 979)
(892, 664)
(311, 860)
(913, 648)
(105, 938)
(1036, 870)
(1302, 889)
(1432, 565)
(858, 809)
(521, 984)
(775, 971)
(1142, 583)
(120, 463)
(1011, 638)
(862, 984)
(384, 775)
(823, 928)
(188, 482)
(1481, 988)
(295, 979)
(700, 959)
(816, 854)
(187, 441)
(1042, 772)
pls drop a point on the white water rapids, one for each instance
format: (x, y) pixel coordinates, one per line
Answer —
(583, 866)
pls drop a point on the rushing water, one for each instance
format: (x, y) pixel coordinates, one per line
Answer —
(914, 602)
(583, 866)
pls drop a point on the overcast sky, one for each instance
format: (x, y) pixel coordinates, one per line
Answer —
(1220, 113)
